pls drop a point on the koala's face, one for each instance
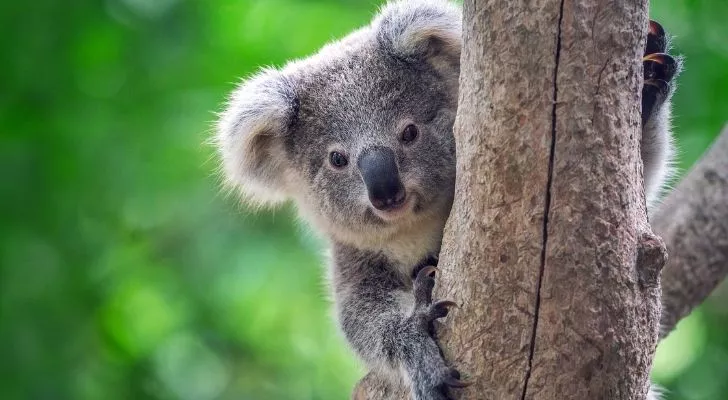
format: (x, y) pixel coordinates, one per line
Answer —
(359, 135)
(373, 143)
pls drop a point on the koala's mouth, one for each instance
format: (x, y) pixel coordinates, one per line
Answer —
(401, 210)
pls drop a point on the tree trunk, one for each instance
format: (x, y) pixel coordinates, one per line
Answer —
(548, 249)
(550, 252)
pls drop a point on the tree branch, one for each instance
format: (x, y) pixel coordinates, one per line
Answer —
(693, 220)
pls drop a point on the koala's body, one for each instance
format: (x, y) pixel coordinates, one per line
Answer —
(360, 137)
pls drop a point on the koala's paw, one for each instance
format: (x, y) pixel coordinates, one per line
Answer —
(428, 311)
(430, 376)
(439, 386)
(659, 69)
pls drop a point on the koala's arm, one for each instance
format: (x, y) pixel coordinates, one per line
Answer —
(656, 146)
(389, 323)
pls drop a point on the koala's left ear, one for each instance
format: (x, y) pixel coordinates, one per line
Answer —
(417, 30)
(250, 137)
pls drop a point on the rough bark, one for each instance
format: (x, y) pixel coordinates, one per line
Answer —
(547, 249)
(550, 252)
(693, 220)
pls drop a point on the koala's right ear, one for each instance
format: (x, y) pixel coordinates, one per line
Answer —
(429, 30)
(250, 135)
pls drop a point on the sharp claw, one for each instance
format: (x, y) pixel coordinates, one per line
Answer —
(660, 58)
(659, 66)
(446, 303)
(429, 270)
(656, 40)
(440, 309)
(457, 383)
(430, 260)
(656, 29)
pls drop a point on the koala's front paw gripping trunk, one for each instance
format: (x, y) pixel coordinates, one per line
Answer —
(393, 334)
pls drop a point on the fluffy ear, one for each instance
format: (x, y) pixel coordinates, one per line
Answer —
(250, 134)
(421, 29)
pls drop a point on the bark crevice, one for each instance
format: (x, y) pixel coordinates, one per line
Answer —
(547, 206)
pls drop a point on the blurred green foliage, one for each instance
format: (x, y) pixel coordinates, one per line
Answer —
(125, 274)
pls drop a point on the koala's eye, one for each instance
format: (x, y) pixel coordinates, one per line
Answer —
(409, 133)
(338, 160)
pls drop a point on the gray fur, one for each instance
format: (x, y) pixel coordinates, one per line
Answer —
(279, 127)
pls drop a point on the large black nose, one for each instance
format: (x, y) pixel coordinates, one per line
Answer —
(381, 177)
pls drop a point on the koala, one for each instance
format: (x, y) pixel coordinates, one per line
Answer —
(360, 137)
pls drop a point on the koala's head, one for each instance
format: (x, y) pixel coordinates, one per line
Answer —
(358, 135)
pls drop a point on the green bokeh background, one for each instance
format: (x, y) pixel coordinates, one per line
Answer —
(126, 274)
